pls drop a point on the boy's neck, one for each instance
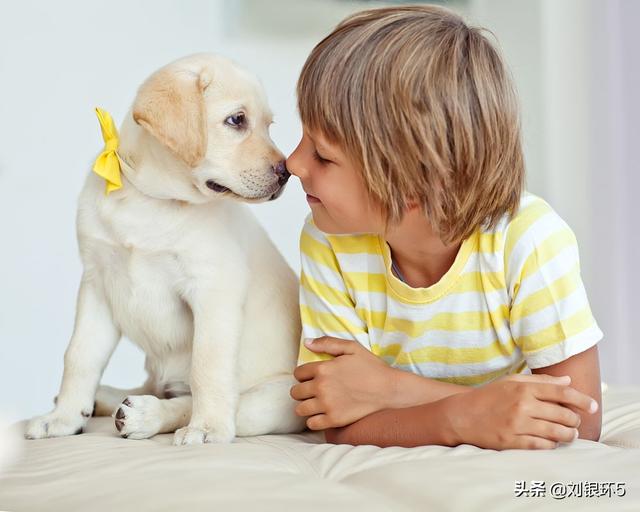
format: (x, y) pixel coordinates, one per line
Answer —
(419, 253)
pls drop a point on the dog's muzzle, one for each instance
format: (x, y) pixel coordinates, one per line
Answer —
(282, 176)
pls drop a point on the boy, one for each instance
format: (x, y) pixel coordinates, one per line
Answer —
(429, 280)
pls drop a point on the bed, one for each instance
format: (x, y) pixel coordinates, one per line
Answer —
(98, 470)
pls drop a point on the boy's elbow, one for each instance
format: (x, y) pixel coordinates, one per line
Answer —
(590, 427)
(591, 432)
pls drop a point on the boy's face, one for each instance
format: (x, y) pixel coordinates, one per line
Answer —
(335, 189)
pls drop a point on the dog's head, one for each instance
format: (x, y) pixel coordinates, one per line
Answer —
(206, 124)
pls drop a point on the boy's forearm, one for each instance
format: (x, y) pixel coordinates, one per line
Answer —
(419, 425)
(409, 389)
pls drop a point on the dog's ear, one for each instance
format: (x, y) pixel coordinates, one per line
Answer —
(170, 105)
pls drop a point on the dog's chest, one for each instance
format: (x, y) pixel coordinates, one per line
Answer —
(142, 288)
(146, 254)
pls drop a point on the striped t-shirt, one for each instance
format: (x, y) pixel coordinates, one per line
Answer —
(513, 299)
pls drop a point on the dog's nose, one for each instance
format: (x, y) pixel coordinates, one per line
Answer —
(281, 171)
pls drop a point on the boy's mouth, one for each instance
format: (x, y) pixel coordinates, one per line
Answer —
(312, 199)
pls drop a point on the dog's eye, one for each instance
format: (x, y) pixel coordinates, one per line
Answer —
(236, 120)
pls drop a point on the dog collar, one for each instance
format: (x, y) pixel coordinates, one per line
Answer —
(107, 165)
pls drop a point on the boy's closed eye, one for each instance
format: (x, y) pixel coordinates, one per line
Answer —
(320, 159)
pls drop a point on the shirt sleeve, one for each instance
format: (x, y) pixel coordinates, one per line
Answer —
(326, 306)
(550, 317)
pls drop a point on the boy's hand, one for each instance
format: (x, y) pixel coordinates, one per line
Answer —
(341, 390)
(519, 411)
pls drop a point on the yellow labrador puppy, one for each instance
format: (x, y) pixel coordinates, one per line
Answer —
(174, 261)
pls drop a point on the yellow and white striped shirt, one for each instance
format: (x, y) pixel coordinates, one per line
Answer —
(512, 299)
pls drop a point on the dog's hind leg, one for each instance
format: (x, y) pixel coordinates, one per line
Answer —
(267, 408)
(144, 416)
(108, 398)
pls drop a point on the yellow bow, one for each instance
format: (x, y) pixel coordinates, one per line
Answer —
(107, 165)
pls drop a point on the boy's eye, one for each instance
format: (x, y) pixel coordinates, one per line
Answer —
(318, 158)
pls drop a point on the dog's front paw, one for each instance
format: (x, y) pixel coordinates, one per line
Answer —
(54, 424)
(193, 434)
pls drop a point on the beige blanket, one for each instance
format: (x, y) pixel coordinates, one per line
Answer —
(99, 470)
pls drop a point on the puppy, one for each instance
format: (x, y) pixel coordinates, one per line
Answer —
(175, 262)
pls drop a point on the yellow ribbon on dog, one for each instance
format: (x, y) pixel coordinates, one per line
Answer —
(107, 165)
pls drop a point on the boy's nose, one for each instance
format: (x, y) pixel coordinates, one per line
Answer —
(287, 164)
(291, 165)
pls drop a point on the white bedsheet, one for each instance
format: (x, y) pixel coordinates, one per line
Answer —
(99, 470)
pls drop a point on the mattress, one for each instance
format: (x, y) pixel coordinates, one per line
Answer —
(98, 470)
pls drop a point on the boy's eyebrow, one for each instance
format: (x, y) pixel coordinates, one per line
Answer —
(328, 153)
(319, 145)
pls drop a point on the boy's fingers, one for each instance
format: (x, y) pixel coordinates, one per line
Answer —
(319, 422)
(308, 407)
(529, 442)
(551, 431)
(306, 371)
(332, 346)
(565, 395)
(302, 391)
(556, 413)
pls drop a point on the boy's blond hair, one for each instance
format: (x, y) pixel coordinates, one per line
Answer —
(425, 107)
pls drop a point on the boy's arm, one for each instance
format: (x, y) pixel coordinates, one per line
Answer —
(409, 389)
(517, 411)
(420, 425)
(550, 318)
(356, 383)
(584, 370)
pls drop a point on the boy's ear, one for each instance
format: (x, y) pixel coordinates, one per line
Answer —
(170, 106)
